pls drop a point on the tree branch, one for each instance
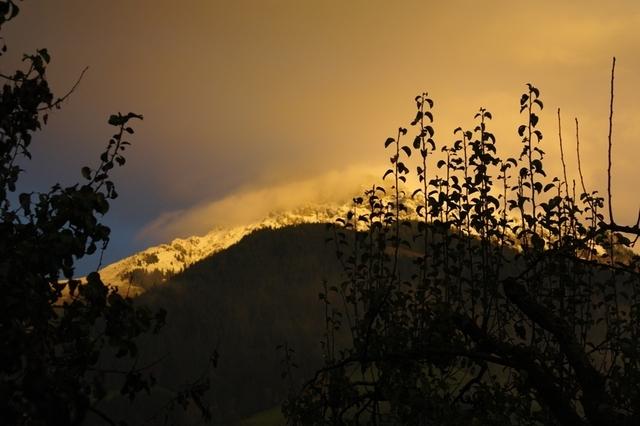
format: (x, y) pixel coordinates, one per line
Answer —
(591, 381)
(524, 360)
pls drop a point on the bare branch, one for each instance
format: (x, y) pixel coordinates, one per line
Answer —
(102, 415)
(523, 359)
(613, 69)
(592, 383)
(66, 95)
(584, 188)
(635, 229)
(564, 165)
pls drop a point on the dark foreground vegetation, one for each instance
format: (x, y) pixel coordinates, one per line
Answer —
(522, 306)
(55, 332)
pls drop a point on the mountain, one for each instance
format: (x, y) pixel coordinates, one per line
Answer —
(155, 265)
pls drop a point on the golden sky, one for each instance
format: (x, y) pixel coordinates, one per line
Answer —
(241, 96)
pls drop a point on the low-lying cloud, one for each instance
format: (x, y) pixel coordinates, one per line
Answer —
(254, 204)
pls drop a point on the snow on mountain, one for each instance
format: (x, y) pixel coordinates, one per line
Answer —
(154, 265)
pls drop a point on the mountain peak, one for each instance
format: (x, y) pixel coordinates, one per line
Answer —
(154, 265)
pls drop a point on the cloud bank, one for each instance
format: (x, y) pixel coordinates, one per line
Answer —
(254, 204)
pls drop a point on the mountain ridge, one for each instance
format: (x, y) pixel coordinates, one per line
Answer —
(152, 266)
(135, 274)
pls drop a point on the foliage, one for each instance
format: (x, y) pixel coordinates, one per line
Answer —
(490, 294)
(55, 331)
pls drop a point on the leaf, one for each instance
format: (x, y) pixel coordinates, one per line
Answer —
(429, 115)
(489, 136)
(407, 150)
(131, 115)
(14, 10)
(387, 173)
(537, 241)
(120, 120)
(534, 90)
(388, 142)
(115, 120)
(533, 119)
(86, 173)
(416, 142)
(537, 165)
(45, 55)
(417, 119)
(25, 202)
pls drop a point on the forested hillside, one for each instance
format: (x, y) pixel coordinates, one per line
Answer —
(243, 302)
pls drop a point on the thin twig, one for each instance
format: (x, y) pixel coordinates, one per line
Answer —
(564, 165)
(66, 95)
(584, 189)
(613, 69)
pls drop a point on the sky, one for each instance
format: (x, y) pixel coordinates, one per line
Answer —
(249, 103)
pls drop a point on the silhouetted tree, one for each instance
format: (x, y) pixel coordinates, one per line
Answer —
(490, 294)
(55, 330)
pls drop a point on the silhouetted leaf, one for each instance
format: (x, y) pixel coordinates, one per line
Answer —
(416, 142)
(86, 173)
(533, 119)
